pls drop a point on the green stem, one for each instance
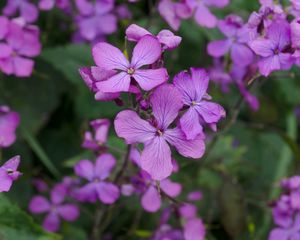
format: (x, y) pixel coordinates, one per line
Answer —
(39, 151)
(285, 160)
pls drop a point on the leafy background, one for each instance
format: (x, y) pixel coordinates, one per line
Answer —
(238, 178)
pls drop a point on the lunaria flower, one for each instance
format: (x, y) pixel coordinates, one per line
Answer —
(96, 174)
(9, 173)
(165, 37)
(166, 101)
(28, 11)
(9, 121)
(94, 140)
(236, 43)
(146, 52)
(274, 48)
(56, 208)
(193, 89)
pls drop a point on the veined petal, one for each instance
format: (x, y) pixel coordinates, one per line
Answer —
(262, 47)
(172, 189)
(150, 78)
(268, 65)
(166, 102)
(187, 148)
(168, 39)
(135, 32)
(104, 164)
(117, 83)
(156, 159)
(132, 128)
(211, 112)
(200, 80)
(151, 201)
(146, 51)
(109, 57)
(190, 125)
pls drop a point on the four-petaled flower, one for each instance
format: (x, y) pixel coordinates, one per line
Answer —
(9, 173)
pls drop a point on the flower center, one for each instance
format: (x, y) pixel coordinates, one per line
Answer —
(96, 180)
(130, 71)
(159, 132)
(10, 171)
(194, 103)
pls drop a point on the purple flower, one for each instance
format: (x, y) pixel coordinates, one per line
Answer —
(203, 16)
(55, 208)
(91, 14)
(194, 229)
(236, 43)
(28, 11)
(166, 232)
(9, 173)
(165, 37)
(9, 121)
(99, 137)
(193, 88)
(195, 196)
(96, 174)
(166, 101)
(274, 48)
(146, 52)
(22, 42)
(295, 33)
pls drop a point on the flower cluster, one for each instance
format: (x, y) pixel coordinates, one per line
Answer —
(286, 211)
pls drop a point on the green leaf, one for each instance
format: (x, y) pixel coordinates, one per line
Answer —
(15, 224)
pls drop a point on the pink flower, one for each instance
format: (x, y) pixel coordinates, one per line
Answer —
(146, 52)
(55, 208)
(9, 173)
(9, 121)
(28, 11)
(166, 101)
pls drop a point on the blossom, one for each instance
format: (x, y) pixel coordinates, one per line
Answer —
(47, 5)
(28, 11)
(90, 14)
(147, 51)
(9, 121)
(56, 208)
(194, 229)
(96, 174)
(166, 101)
(236, 43)
(203, 16)
(9, 173)
(274, 48)
(22, 42)
(165, 37)
(193, 89)
(99, 137)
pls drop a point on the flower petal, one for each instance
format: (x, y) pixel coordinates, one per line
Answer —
(241, 54)
(135, 32)
(210, 112)
(194, 229)
(5, 181)
(51, 222)
(190, 125)
(29, 12)
(132, 128)
(150, 78)
(104, 165)
(68, 212)
(109, 57)
(23, 66)
(151, 201)
(146, 51)
(4, 26)
(279, 233)
(115, 84)
(204, 17)
(85, 169)
(218, 48)
(87, 193)
(39, 204)
(187, 148)
(262, 47)
(168, 39)
(58, 193)
(156, 159)
(166, 102)
(108, 193)
(268, 65)
(172, 189)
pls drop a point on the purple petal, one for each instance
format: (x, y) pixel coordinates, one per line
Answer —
(190, 125)
(8, 125)
(117, 83)
(85, 169)
(286, 61)
(262, 47)
(168, 39)
(84, 7)
(58, 193)
(210, 112)
(147, 51)
(295, 32)
(51, 222)
(194, 230)
(29, 12)
(39, 204)
(68, 212)
(268, 65)
(135, 156)
(200, 80)
(104, 165)
(241, 55)
(5, 181)
(150, 78)
(279, 33)
(12, 164)
(135, 32)
(188, 211)
(46, 4)
(23, 66)
(151, 201)
(218, 48)
(187, 148)
(109, 57)
(6, 66)
(108, 193)
(204, 17)
(279, 233)
(166, 102)
(87, 193)
(101, 96)
(109, 24)
(4, 27)
(132, 128)
(166, 9)
(217, 3)
(172, 189)
(156, 159)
